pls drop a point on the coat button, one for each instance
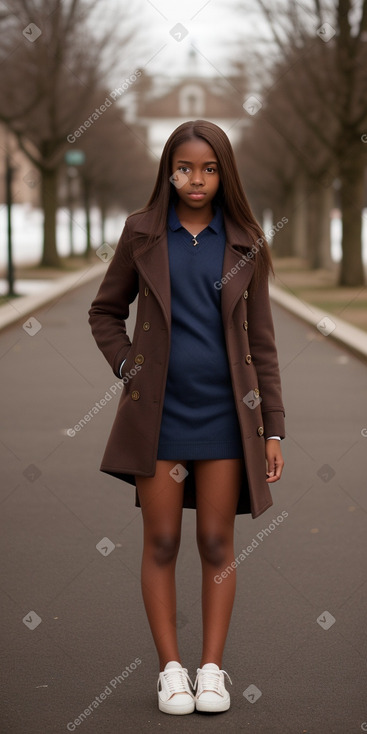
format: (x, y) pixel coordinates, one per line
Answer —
(146, 325)
(256, 392)
(139, 359)
(248, 358)
(146, 290)
(245, 325)
(245, 295)
(135, 395)
(260, 431)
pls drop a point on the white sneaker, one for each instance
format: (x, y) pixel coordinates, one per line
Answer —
(211, 694)
(174, 693)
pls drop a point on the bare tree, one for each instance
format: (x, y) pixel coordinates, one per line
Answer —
(118, 172)
(328, 99)
(52, 62)
(290, 165)
(119, 165)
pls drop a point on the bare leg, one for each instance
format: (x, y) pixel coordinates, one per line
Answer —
(161, 499)
(217, 493)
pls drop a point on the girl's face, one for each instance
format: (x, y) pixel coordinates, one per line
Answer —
(195, 170)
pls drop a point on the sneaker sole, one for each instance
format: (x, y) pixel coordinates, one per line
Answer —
(212, 707)
(167, 708)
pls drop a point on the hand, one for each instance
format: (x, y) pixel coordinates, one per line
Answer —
(274, 459)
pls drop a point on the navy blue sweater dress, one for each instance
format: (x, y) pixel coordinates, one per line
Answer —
(199, 419)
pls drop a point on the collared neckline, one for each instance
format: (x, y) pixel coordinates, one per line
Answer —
(215, 225)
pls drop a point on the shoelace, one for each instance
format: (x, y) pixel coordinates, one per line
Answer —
(211, 679)
(176, 679)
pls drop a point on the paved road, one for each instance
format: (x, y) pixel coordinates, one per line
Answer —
(74, 631)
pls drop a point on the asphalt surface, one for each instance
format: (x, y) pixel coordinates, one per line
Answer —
(74, 635)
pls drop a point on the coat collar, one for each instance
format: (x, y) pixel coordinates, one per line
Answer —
(142, 224)
(174, 223)
(154, 265)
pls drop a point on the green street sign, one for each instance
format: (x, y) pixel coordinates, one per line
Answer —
(74, 157)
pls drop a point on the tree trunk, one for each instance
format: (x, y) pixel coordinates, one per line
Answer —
(50, 256)
(351, 196)
(319, 238)
(298, 221)
(326, 205)
(86, 192)
(103, 223)
(283, 243)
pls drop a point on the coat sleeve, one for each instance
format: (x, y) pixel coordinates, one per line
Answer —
(110, 308)
(265, 358)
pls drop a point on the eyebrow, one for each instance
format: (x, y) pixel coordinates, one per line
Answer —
(206, 163)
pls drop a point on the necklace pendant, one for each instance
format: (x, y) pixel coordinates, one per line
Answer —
(194, 241)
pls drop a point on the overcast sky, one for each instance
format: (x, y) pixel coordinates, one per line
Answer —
(221, 31)
(216, 28)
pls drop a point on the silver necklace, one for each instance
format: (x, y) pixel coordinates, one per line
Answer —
(194, 240)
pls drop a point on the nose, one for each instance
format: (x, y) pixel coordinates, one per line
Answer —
(197, 177)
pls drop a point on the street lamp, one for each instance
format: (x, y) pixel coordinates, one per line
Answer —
(73, 158)
(71, 175)
(9, 170)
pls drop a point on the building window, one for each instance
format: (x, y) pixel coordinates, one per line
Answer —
(191, 100)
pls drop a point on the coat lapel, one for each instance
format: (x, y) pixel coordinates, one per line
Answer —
(236, 282)
(153, 265)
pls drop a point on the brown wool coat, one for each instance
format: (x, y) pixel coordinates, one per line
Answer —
(133, 442)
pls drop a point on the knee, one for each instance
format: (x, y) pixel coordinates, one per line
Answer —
(213, 548)
(164, 548)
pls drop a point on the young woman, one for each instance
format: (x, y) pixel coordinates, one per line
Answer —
(200, 417)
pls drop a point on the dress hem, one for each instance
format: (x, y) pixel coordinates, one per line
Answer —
(174, 451)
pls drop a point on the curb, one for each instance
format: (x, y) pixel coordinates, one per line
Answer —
(18, 308)
(327, 324)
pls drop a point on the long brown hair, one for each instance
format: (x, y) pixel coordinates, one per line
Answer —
(230, 195)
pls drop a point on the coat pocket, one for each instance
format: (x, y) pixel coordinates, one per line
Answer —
(125, 369)
(131, 367)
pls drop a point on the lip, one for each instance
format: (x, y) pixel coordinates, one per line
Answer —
(196, 196)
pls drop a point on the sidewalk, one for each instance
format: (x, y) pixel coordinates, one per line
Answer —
(313, 296)
(318, 288)
(14, 309)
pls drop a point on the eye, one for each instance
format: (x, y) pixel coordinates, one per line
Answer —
(184, 169)
(210, 169)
